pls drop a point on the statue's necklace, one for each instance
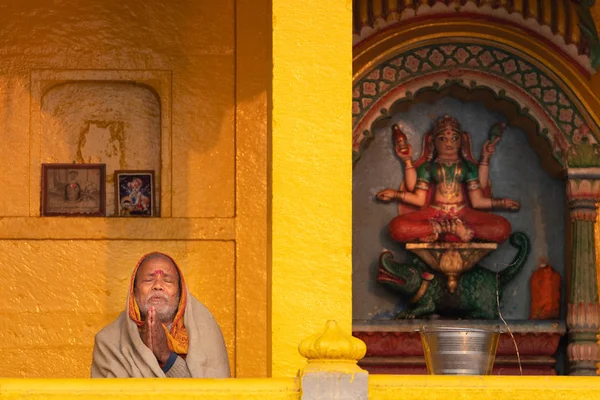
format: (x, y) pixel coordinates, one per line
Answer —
(450, 182)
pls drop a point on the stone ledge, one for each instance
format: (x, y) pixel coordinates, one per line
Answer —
(516, 326)
(394, 347)
(116, 228)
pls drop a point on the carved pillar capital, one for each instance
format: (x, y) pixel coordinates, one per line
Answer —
(583, 210)
(583, 184)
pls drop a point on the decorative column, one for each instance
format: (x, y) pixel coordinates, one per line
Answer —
(332, 372)
(583, 311)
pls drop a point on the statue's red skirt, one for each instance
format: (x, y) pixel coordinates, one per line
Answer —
(417, 227)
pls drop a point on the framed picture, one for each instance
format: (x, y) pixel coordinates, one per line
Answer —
(134, 192)
(73, 190)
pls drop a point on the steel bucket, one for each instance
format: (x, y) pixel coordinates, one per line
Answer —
(459, 351)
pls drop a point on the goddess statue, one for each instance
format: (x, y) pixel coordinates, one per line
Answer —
(444, 189)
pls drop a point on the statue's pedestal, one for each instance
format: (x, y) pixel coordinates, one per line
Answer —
(452, 259)
(394, 347)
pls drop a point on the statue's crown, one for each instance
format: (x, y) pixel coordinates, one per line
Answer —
(446, 122)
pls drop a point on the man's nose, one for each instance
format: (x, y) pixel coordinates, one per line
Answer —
(157, 285)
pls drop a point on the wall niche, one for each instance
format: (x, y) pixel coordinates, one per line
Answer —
(114, 123)
(113, 117)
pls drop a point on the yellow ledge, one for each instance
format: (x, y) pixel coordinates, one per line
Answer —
(381, 387)
(388, 387)
(117, 389)
(98, 228)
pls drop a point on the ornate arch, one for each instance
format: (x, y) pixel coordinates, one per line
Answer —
(475, 64)
(505, 68)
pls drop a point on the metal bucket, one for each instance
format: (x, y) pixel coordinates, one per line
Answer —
(459, 351)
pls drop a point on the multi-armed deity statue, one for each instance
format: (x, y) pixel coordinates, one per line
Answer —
(444, 207)
(437, 206)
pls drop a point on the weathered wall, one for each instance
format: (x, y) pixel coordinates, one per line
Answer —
(67, 277)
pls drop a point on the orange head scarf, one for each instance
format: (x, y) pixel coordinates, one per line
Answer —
(177, 336)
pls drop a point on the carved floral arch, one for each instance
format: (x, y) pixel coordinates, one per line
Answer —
(541, 103)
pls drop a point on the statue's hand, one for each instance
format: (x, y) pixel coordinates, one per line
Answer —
(511, 205)
(489, 148)
(404, 153)
(387, 195)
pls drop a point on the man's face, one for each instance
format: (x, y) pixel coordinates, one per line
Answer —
(157, 285)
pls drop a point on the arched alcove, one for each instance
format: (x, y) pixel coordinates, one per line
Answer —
(543, 106)
(516, 116)
(113, 123)
(516, 172)
(536, 93)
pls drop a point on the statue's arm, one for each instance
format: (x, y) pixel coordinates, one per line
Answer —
(410, 176)
(404, 152)
(479, 201)
(484, 164)
(417, 196)
(484, 174)
(416, 199)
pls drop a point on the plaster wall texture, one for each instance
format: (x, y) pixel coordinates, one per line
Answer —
(59, 293)
(311, 277)
(194, 40)
(68, 277)
(515, 172)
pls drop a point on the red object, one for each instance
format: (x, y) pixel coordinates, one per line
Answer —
(545, 293)
(416, 225)
(398, 136)
(400, 140)
(401, 352)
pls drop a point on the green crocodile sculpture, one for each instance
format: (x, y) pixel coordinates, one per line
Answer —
(427, 291)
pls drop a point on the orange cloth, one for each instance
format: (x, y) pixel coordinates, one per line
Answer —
(545, 293)
(177, 336)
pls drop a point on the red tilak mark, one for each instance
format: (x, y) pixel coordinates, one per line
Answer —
(158, 272)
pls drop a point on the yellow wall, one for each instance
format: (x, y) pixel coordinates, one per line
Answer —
(67, 277)
(210, 66)
(311, 278)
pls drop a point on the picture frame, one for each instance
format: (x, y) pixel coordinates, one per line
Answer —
(73, 190)
(134, 193)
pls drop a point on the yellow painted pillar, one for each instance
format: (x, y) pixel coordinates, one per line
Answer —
(311, 271)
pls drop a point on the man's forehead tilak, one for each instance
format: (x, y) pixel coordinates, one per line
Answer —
(159, 272)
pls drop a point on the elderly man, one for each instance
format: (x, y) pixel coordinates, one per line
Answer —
(164, 331)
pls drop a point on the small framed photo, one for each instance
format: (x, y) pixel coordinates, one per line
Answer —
(73, 190)
(134, 192)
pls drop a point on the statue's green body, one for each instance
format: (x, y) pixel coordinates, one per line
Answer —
(475, 296)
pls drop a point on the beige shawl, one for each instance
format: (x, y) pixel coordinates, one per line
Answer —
(120, 353)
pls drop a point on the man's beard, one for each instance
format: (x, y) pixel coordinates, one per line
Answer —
(164, 312)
